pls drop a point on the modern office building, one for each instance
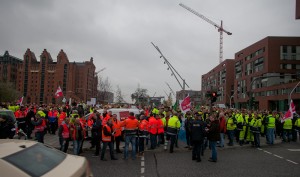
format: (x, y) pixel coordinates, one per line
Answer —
(38, 81)
(266, 73)
(220, 79)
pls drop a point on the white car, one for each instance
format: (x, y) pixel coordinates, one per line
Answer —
(28, 158)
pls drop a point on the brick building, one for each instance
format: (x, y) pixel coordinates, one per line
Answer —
(265, 72)
(219, 79)
(261, 76)
(38, 80)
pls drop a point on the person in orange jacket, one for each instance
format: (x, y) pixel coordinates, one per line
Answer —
(143, 133)
(153, 130)
(130, 130)
(118, 132)
(107, 139)
(160, 130)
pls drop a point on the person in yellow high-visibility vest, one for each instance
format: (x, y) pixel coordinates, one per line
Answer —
(287, 130)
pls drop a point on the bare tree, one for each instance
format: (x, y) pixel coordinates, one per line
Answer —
(104, 89)
(140, 96)
(8, 93)
(119, 95)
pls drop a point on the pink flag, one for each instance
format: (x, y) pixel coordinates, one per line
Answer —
(185, 105)
(58, 93)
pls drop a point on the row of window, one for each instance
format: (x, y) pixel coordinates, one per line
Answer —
(258, 52)
(277, 92)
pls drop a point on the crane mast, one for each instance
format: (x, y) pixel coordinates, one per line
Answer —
(219, 27)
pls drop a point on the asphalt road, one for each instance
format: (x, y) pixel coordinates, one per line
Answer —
(281, 159)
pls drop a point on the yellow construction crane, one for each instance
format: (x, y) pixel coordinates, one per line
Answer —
(219, 27)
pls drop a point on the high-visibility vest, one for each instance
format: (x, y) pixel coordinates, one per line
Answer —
(271, 123)
(288, 124)
(297, 123)
(230, 125)
(104, 137)
(173, 125)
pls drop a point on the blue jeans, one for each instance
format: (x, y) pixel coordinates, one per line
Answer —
(213, 150)
(270, 135)
(230, 136)
(222, 139)
(76, 146)
(131, 139)
(287, 135)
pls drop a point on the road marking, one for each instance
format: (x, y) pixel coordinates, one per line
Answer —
(292, 161)
(143, 170)
(294, 150)
(142, 163)
(143, 158)
(278, 156)
(267, 152)
(259, 149)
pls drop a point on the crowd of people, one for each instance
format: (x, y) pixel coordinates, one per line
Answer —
(155, 127)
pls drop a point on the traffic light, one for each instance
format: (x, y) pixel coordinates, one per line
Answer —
(214, 97)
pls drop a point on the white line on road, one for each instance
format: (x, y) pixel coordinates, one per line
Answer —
(259, 149)
(278, 156)
(142, 163)
(294, 150)
(292, 161)
(142, 170)
(267, 152)
(143, 158)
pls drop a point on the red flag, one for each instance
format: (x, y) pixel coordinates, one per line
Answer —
(58, 93)
(292, 107)
(185, 105)
(290, 112)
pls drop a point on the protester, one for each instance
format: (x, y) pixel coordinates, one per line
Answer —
(39, 128)
(213, 136)
(197, 130)
(64, 134)
(107, 139)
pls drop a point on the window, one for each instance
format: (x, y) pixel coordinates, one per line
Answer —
(39, 159)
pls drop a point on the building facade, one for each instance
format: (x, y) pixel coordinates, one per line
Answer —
(266, 73)
(39, 80)
(220, 80)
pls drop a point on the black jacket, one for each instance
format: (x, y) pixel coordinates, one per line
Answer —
(197, 130)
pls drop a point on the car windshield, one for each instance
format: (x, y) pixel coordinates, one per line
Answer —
(36, 160)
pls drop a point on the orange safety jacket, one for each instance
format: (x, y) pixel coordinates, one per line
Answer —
(65, 131)
(20, 116)
(61, 118)
(117, 128)
(130, 125)
(104, 137)
(152, 125)
(160, 126)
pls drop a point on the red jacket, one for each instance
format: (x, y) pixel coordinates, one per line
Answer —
(222, 125)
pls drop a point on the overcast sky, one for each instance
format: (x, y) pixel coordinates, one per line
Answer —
(118, 35)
